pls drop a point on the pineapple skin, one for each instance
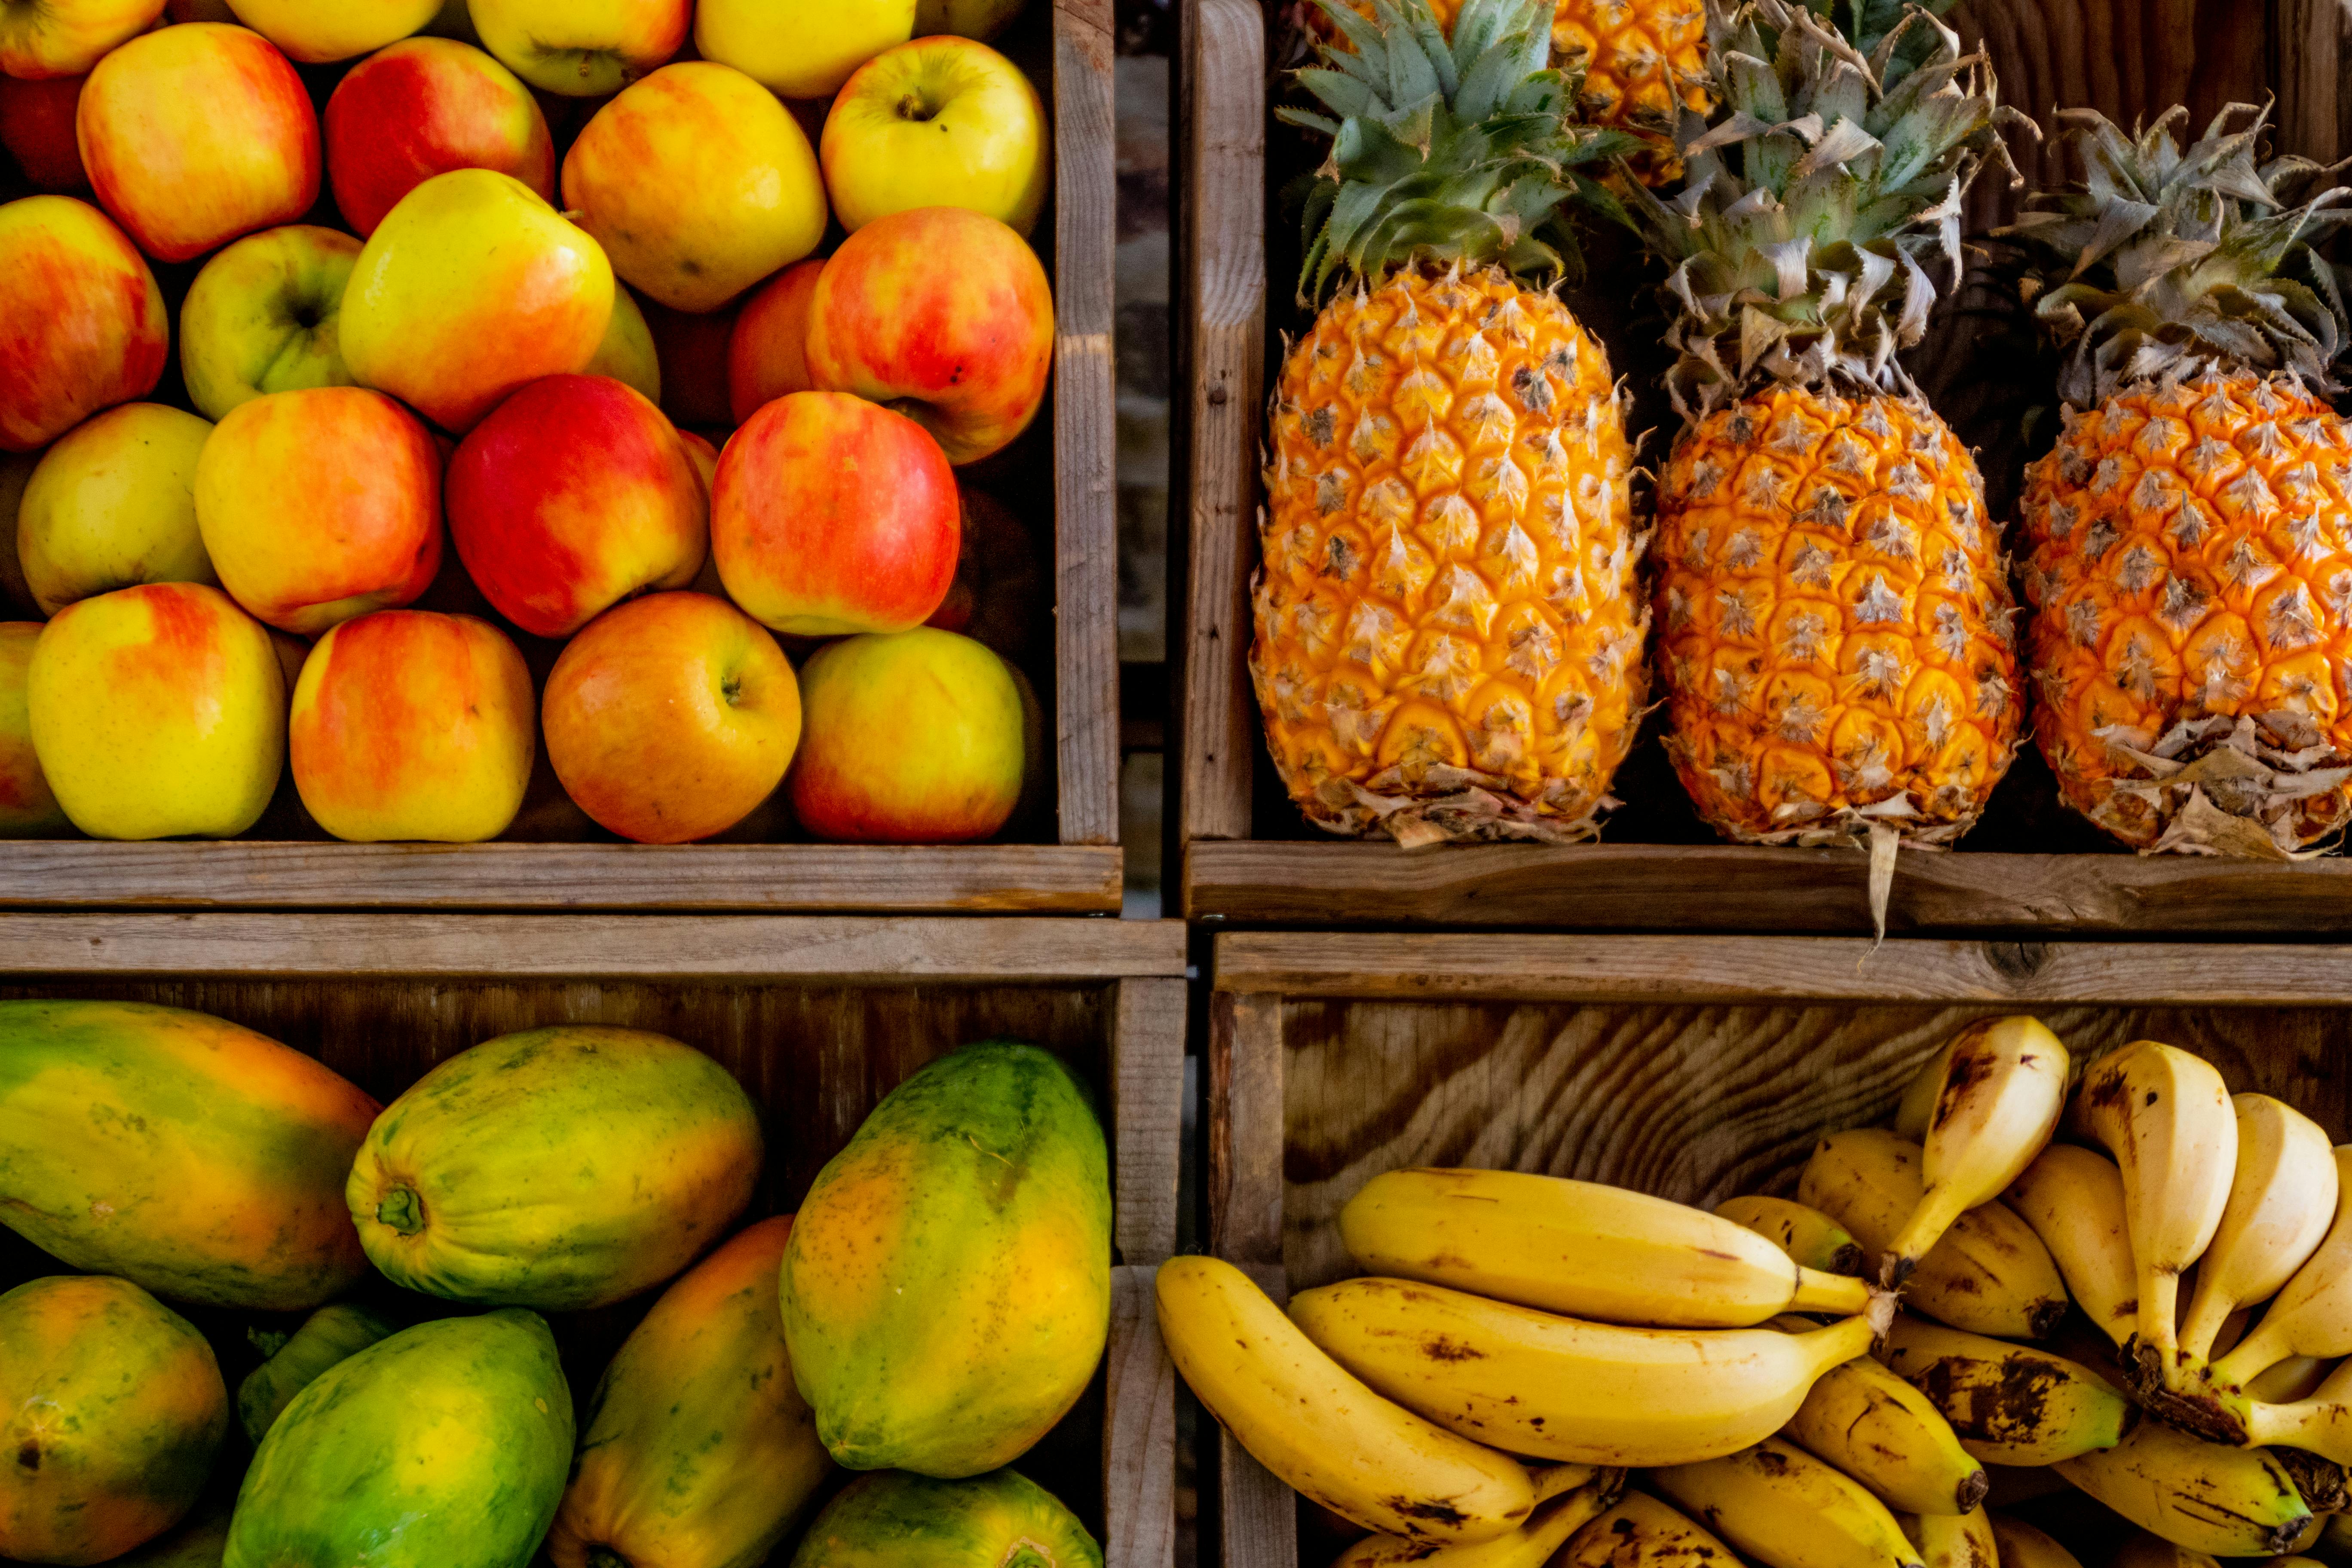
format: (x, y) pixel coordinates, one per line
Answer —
(2191, 565)
(1449, 636)
(1834, 621)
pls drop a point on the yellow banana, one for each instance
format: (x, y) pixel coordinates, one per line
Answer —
(2233, 1502)
(1807, 1234)
(1301, 1415)
(2313, 1314)
(1990, 1274)
(2321, 1423)
(1559, 1388)
(1785, 1508)
(2073, 1199)
(1529, 1546)
(2010, 1404)
(2281, 1202)
(2296, 1378)
(2001, 1086)
(2166, 1117)
(2337, 1532)
(1886, 1435)
(1591, 1251)
(1643, 1533)
(2022, 1546)
(1952, 1539)
(2146, 1551)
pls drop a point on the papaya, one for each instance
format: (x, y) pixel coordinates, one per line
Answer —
(326, 1337)
(194, 1158)
(115, 1411)
(198, 1542)
(946, 1291)
(698, 1452)
(897, 1520)
(442, 1447)
(558, 1169)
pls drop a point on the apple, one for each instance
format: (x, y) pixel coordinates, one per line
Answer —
(204, 11)
(627, 353)
(940, 121)
(911, 738)
(671, 718)
(195, 134)
(831, 514)
(981, 19)
(158, 712)
(964, 349)
(999, 594)
(15, 473)
(412, 725)
(698, 183)
(319, 31)
(471, 287)
(264, 316)
(82, 325)
(765, 352)
(66, 37)
(28, 808)
(113, 504)
(705, 456)
(799, 50)
(573, 495)
(582, 48)
(36, 127)
(692, 349)
(320, 505)
(424, 107)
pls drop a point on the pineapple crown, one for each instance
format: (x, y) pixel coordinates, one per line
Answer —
(1836, 159)
(1444, 152)
(2167, 263)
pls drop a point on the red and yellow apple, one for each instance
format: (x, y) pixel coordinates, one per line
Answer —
(705, 456)
(963, 348)
(671, 718)
(28, 808)
(15, 473)
(46, 38)
(699, 185)
(195, 134)
(264, 316)
(112, 505)
(981, 19)
(412, 725)
(831, 514)
(914, 738)
(82, 325)
(471, 287)
(424, 107)
(691, 347)
(320, 505)
(158, 712)
(317, 31)
(627, 354)
(1000, 595)
(766, 352)
(36, 127)
(573, 495)
(940, 121)
(799, 50)
(582, 48)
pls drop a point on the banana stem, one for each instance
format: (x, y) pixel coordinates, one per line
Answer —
(1837, 1295)
(2320, 1426)
(2253, 1356)
(1939, 1207)
(2207, 1310)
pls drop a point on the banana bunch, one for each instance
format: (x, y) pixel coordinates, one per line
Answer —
(2009, 1404)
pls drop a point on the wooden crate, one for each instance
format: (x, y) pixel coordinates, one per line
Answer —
(1075, 865)
(1695, 1068)
(1249, 857)
(818, 1018)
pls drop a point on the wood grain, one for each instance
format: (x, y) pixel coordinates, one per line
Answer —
(1147, 1078)
(1245, 1136)
(1140, 1433)
(2310, 48)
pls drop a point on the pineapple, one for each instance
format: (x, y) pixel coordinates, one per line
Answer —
(1448, 634)
(1833, 603)
(2192, 531)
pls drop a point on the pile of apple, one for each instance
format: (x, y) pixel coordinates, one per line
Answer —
(403, 301)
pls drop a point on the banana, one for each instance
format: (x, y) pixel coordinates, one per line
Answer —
(1302, 1416)
(1559, 1388)
(1591, 1251)
(1643, 1533)
(1529, 1546)
(2166, 1117)
(2146, 1551)
(2010, 1404)
(2321, 1423)
(2312, 1315)
(1990, 1274)
(2002, 1088)
(1785, 1508)
(2281, 1202)
(2292, 1380)
(1952, 1539)
(2233, 1502)
(2073, 1199)
(2022, 1546)
(2337, 1534)
(1886, 1435)
(1807, 1234)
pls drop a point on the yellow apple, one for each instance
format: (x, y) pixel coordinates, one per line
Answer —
(911, 738)
(627, 353)
(28, 808)
(317, 31)
(799, 48)
(941, 122)
(44, 38)
(263, 316)
(981, 19)
(158, 712)
(582, 48)
(112, 505)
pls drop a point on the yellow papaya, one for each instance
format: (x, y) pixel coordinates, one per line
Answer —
(194, 1158)
(946, 1291)
(898, 1521)
(559, 1168)
(700, 1452)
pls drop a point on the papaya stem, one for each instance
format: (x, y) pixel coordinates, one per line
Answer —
(404, 1211)
(605, 1557)
(1025, 1555)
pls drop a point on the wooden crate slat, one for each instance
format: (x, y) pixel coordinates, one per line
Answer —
(1140, 1433)
(1148, 1080)
(2312, 46)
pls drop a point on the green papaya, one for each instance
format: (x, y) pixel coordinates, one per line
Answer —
(326, 1337)
(114, 1411)
(194, 1158)
(442, 1447)
(559, 1168)
(946, 1292)
(898, 1521)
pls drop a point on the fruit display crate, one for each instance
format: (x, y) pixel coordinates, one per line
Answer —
(817, 1018)
(2031, 867)
(1060, 854)
(1691, 1067)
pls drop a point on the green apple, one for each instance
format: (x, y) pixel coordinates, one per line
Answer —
(262, 317)
(628, 352)
(799, 50)
(113, 504)
(981, 19)
(582, 48)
